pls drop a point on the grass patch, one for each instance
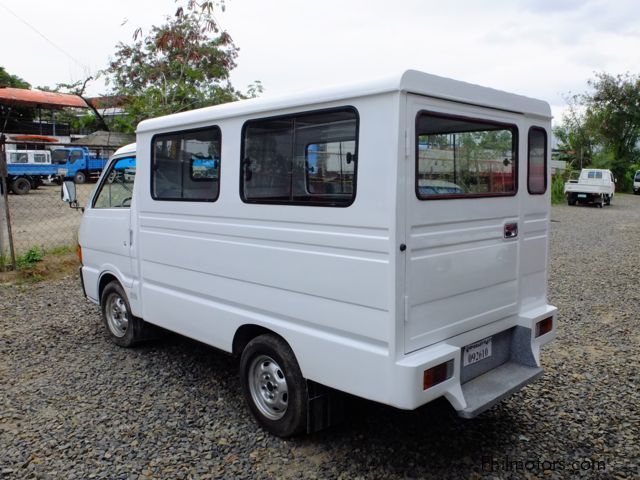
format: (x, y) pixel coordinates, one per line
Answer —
(36, 265)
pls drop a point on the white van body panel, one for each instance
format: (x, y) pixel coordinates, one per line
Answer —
(362, 314)
(105, 240)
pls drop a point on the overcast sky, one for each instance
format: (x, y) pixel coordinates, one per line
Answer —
(539, 48)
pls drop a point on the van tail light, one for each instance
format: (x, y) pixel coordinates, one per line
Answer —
(79, 250)
(437, 374)
(544, 326)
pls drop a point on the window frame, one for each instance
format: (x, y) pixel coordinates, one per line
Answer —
(153, 158)
(107, 171)
(546, 143)
(311, 203)
(515, 133)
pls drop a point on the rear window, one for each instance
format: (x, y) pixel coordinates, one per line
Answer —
(537, 161)
(464, 157)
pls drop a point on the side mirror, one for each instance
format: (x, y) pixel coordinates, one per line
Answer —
(68, 194)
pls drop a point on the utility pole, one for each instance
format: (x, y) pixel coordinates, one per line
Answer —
(5, 201)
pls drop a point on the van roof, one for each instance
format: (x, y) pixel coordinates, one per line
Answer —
(130, 148)
(411, 81)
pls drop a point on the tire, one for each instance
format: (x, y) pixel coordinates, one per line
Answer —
(122, 326)
(571, 200)
(35, 182)
(80, 177)
(273, 386)
(21, 186)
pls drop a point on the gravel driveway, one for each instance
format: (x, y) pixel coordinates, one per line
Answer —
(72, 405)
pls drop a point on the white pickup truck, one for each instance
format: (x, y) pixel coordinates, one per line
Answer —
(594, 185)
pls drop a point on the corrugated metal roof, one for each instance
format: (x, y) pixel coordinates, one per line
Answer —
(38, 97)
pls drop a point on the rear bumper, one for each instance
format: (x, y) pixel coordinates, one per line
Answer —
(485, 391)
(472, 394)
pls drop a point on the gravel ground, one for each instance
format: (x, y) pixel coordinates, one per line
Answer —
(73, 405)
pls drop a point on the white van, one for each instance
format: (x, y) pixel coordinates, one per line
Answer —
(389, 240)
(636, 183)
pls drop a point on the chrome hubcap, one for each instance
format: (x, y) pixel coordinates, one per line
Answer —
(268, 387)
(117, 317)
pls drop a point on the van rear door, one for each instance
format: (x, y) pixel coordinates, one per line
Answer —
(462, 219)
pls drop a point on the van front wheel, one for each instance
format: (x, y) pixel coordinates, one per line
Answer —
(123, 327)
(273, 385)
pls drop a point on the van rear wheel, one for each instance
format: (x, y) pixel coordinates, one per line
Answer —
(273, 386)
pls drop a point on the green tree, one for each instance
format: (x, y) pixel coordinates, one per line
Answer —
(575, 136)
(10, 116)
(180, 65)
(8, 80)
(613, 113)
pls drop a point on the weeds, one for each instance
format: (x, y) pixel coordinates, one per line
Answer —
(557, 189)
(37, 265)
(29, 259)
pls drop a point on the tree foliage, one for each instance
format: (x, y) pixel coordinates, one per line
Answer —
(613, 113)
(10, 115)
(180, 65)
(605, 124)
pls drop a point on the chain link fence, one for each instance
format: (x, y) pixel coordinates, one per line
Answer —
(39, 220)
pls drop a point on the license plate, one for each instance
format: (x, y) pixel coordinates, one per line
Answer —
(582, 195)
(476, 351)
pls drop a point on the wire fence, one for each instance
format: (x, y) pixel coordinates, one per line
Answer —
(39, 220)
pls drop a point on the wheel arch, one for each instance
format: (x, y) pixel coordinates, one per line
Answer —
(245, 333)
(105, 279)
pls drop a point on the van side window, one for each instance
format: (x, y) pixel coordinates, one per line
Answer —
(116, 190)
(464, 157)
(304, 159)
(186, 165)
(537, 161)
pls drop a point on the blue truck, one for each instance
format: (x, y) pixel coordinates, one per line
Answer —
(67, 163)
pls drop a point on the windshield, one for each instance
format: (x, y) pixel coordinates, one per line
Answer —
(59, 156)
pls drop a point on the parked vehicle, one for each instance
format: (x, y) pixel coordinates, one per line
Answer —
(75, 163)
(312, 237)
(26, 157)
(636, 183)
(78, 162)
(38, 157)
(594, 185)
